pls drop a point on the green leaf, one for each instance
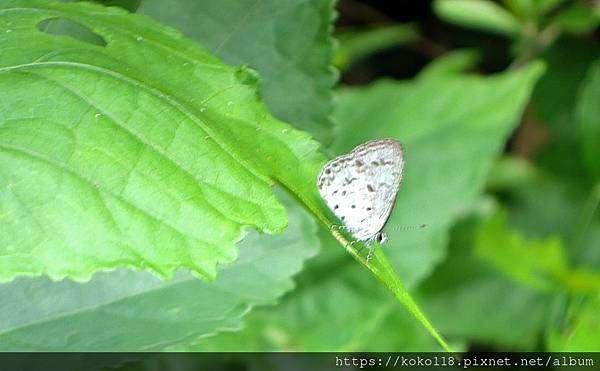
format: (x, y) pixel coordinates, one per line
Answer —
(510, 172)
(287, 42)
(479, 14)
(588, 114)
(449, 147)
(469, 300)
(356, 44)
(583, 333)
(453, 62)
(150, 153)
(553, 206)
(578, 18)
(555, 96)
(553, 104)
(149, 314)
(531, 9)
(536, 263)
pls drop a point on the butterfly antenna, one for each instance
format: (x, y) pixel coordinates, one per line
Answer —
(411, 227)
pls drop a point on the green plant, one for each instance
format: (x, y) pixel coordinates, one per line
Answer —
(157, 188)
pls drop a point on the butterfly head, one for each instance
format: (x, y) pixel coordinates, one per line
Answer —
(381, 237)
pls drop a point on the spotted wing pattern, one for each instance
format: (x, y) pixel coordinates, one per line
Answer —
(361, 187)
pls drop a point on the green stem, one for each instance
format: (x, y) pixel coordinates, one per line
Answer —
(537, 44)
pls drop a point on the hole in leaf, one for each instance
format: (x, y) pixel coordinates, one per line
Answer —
(67, 27)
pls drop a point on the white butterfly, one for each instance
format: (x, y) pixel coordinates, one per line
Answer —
(361, 188)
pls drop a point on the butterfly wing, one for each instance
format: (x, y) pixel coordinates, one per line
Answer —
(361, 187)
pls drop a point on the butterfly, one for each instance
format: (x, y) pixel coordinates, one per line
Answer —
(361, 188)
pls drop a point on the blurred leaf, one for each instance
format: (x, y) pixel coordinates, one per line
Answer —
(471, 301)
(555, 95)
(484, 15)
(449, 148)
(581, 280)
(287, 42)
(588, 114)
(551, 206)
(125, 310)
(554, 100)
(130, 164)
(334, 308)
(535, 263)
(584, 334)
(453, 62)
(356, 44)
(578, 18)
(510, 172)
(531, 9)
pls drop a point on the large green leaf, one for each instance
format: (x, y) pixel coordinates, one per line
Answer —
(287, 42)
(452, 126)
(125, 310)
(147, 152)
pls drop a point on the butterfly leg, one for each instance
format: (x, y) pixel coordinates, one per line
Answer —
(359, 249)
(336, 227)
(340, 227)
(371, 252)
